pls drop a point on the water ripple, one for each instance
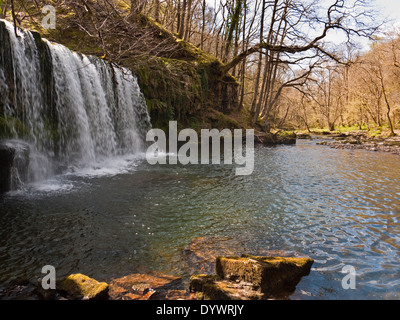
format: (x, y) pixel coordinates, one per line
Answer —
(339, 207)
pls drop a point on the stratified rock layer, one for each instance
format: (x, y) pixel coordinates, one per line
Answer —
(251, 277)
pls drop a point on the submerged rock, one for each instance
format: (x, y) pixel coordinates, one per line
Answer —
(251, 277)
(200, 254)
(147, 286)
(78, 286)
(19, 290)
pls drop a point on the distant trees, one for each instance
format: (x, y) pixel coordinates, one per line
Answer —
(363, 93)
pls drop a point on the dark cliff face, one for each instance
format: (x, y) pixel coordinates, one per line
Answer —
(7, 155)
(14, 163)
(6, 64)
(187, 92)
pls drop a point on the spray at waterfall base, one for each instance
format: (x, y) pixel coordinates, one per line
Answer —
(188, 153)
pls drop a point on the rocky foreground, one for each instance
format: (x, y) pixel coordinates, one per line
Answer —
(237, 278)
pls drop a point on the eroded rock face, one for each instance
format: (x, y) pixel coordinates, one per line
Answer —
(7, 155)
(251, 277)
(14, 164)
(211, 287)
(81, 287)
(269, 274)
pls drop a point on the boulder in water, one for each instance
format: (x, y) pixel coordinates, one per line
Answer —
(211, 287)
(269, 274)
(279, 138)
(81, 287)
(251, 277)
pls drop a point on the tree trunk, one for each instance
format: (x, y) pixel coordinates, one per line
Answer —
(203, 26)
(392, 133)
(188, 19)
(257, 84)
(183, 19)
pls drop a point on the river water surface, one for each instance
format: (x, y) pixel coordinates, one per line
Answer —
(339, 207)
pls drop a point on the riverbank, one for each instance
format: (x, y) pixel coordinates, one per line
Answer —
(217, 273)
(236, 278)
(363, 140)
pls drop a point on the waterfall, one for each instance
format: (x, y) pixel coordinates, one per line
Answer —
(70, 108)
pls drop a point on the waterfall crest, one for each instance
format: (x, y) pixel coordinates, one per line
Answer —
(70, 108)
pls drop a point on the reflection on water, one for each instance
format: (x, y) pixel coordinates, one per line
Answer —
(339, 207)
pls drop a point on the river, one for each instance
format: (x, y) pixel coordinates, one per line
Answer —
(339, 207)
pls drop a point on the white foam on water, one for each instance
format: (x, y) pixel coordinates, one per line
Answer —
(107, 167)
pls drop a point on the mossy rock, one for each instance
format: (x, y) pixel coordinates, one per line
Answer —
(286, 137)
(78, 286)
(197, 281)
(211, 287)
(270, 274)
(11, 128)
(226, 290)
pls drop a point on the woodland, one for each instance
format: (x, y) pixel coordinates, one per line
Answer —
(300, 64)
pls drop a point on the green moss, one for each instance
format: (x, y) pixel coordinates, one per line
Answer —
(286, 134)
(12, 128)
(180, 88)
(79, 286)
(222, 121)
(173, 89)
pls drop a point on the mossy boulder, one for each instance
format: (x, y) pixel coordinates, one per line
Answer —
(197, 281)
(272, 139)
(251, 278)
(286, 137)
(270, 274)
(211, 287)
(81, 287)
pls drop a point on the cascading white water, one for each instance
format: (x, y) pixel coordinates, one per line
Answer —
(74, 109)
